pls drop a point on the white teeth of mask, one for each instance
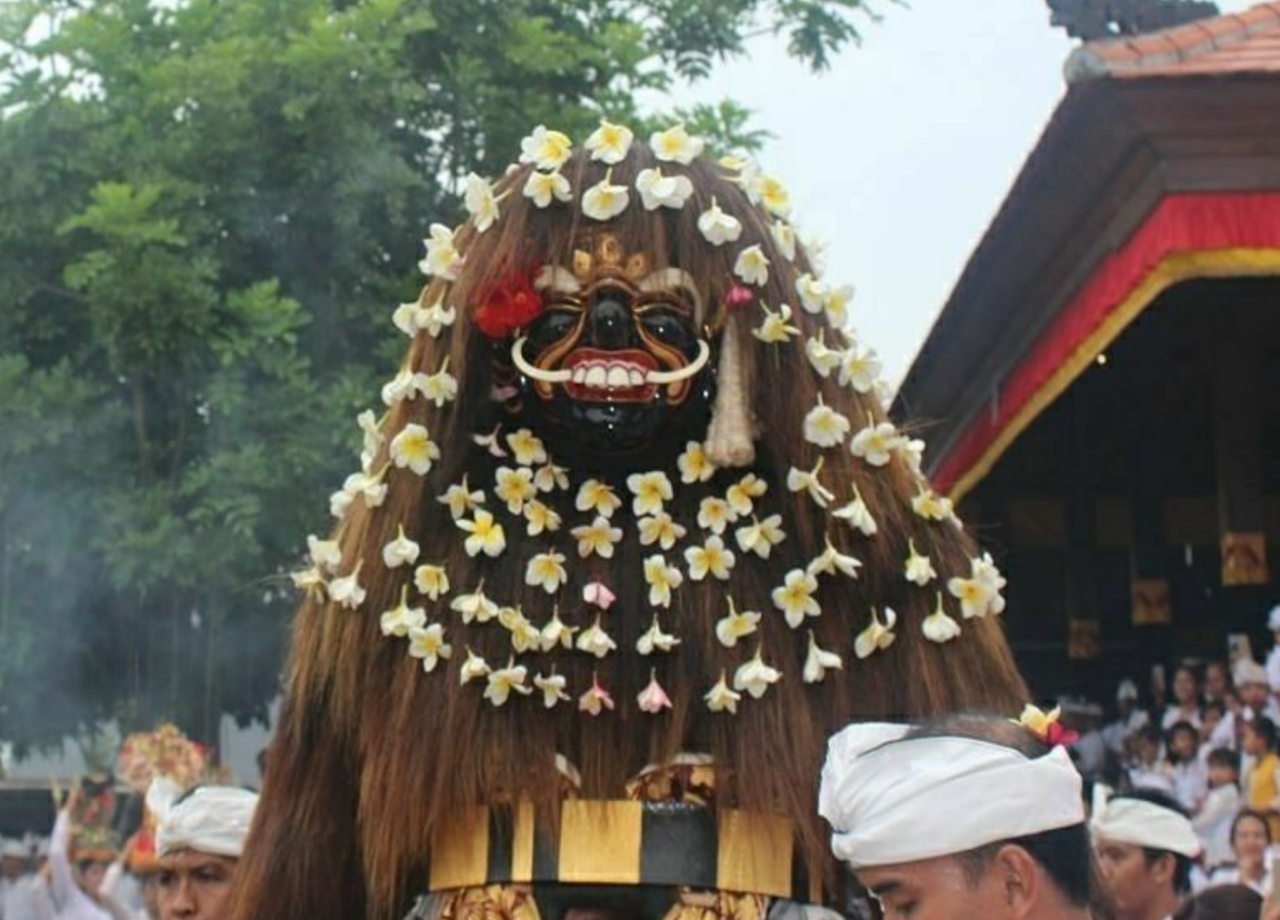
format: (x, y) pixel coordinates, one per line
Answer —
(617, 377)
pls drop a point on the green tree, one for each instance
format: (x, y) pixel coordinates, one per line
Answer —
(208, 210)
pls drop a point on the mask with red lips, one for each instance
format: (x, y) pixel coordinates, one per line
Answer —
(615, 360)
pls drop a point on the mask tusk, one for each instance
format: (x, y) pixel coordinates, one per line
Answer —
(517, 356)
(662, 377)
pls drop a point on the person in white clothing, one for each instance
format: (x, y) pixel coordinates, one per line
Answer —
(1186, 699)
(1145, 845)
(1273, 656)
(1129, 719)
(75, 887)
(1190, 777)
(1250, 839)
(1213, 823)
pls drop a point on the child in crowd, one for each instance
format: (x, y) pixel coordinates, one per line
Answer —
(1214, 820)
(1189, 776)
(1262, 785)
(1186, 699)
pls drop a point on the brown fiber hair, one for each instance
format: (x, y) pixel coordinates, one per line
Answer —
(372, 755)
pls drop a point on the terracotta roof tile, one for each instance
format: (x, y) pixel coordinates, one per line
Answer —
(1247, 42)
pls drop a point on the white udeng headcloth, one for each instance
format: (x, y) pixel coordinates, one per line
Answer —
(891, 799)
(212, 819)
(1144, 824)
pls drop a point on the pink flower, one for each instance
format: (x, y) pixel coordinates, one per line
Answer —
(653, 698)
(738, 296)
(595, 699)
(596, 593)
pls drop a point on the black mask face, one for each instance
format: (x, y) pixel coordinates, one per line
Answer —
(607, 340)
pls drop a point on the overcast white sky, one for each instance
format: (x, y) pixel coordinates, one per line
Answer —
(900, 155)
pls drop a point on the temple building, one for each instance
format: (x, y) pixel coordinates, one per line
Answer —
(1101, 391)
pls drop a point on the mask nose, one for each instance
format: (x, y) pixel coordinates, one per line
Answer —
(609, 320)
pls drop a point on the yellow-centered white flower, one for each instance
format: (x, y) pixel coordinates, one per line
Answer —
(460, 499)
(557, 632)
(734, 625)
(876, 443)
(661, 529)
(473, 668)
(544, 187)
(813, 293)
(550, 477)
(325, 555)
(833, 562)
(776, 329)
(546, 571)
(807, 481)
(431, 580)
(401, 618)
(443, 259)
(712, 558)
(784, 237)
(755, 677)
(412, 318)
(346, 591)
(694, 465)
(610, 143)
(824, 426)
(857, 515)
(760, 537)
(715, 515)
(438, 388)
(595, 641)
(604, 200)
(877, 636)
(480, 202)
(413, 448)
(545, 149)
(662, 579)
(918, 569)
(795, 598)
(474, 606)
(650, 491)
(540, 518)
(505, 681)
(742, 494)
(932, 507)
(818, 661)
(752, 266)
(655, 640)
(938, 626)
(837, 304)
(428, 646)
(676, 145)
(311, 581)
(661, 191)
(400, 551)
(527, 448)
(552, 687)
(720, 698)
(860, 369)
(485, 535)
(718, 227)
(399, 388)
(514, 486)
(597, 538)
(821, 358)
(594, 495)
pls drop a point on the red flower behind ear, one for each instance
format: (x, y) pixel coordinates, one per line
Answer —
(509, 306)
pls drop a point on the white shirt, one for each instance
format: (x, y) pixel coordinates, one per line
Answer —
(1213, 823)
(69, 899)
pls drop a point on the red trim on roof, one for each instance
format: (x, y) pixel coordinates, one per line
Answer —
(1179, 224)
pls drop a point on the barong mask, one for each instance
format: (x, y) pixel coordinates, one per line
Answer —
(633, 509)
(615, 359)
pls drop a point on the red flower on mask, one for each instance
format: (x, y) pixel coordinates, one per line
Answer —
(513, 304)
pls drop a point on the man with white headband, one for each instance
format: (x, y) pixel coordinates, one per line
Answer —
(967, 816)
(199, 838)
(1145, 845)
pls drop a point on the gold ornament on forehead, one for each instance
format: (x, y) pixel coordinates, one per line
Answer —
(609, 259)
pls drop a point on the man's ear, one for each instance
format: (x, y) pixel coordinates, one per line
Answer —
(1021, 881)
(1163, 867)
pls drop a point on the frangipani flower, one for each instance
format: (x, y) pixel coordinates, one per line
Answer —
(655, 639)
(474, 606)
(980, 593)
(504, 681)
(514, 486)
(428, 645)
(659, 191)
(784, 237)
(760, 537)
(550, 477)
(755, 677)
(461, 499)
(598, 537)
(694, 465)
(604, 200)
(858, 515)
(676, 145)
(346, 591)
(662, 580)
(824, 426)
(480, 203)
(431, 580)
(311, 581)
(412, 318)
(802, 481)
(597, 594)
(714, 514)
(486, 535)
(400, 551)
(813, 293)
(720, 698)
(834, 562)
(370, 487)
(650, 491)
(876, 443)
(413, 448)
(542, 187)
(595, 641)
(717, 227)
(489, 441)
(1045, 725)
(938, 626)
(653, 699)
(821, 358)
(399, 388)
(527, 448)
(710, 558)
(546, 571)
(443, 259)
(818, 661)
(473, 668)
(837, 304)
(985, 571)
(752, 266)
(438, 388)
(545, 149)
(326, 555)
(775, 329)
(540, 518)
(733, 625)
(912, 452)
(859, 369)
(876, 636)
(525, 637)
(401, 618)
(557, 632)
(596, 699)
(742, 494)
(610, 143)
(662, 529)
(373, 439)
(773, 195)
(795, 598)
(932, 507)
(597, 496)
(552, 687)
(918, 569)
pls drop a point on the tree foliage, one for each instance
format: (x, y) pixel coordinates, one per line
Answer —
(209, 210)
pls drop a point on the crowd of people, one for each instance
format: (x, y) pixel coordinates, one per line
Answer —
(198, 838)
